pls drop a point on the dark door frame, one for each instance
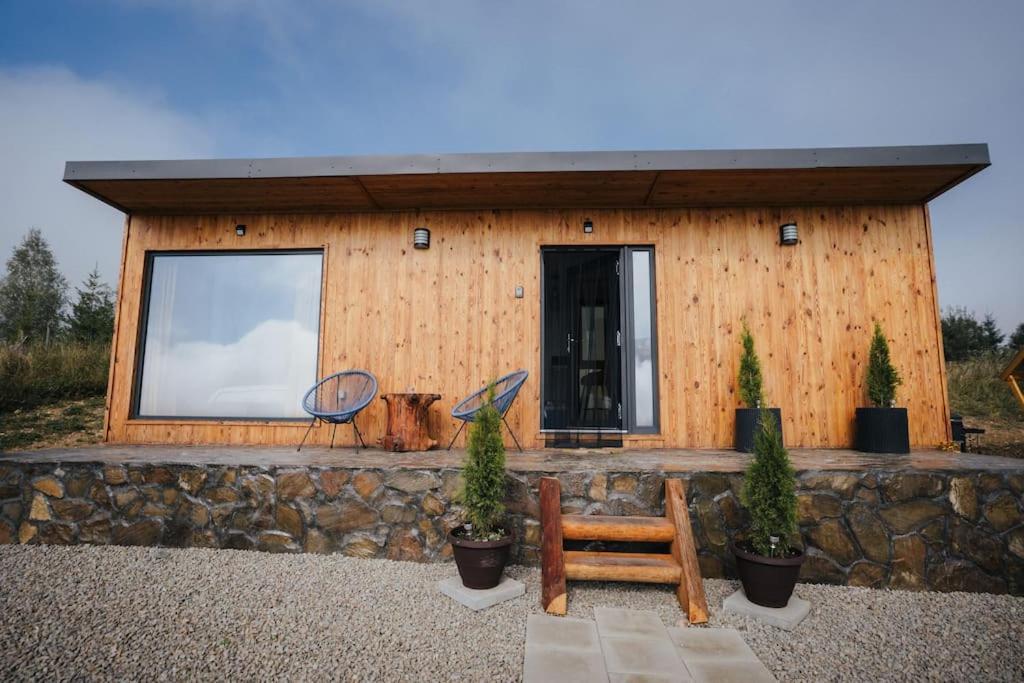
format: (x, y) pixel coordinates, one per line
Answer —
(626, 321)
(621, 398)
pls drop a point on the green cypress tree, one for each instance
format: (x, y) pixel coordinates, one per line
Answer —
(750, 383)
(769, 492)
(484, 487)
(882, 375)
(92, 316)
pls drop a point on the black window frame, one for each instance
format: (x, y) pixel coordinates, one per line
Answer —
(140, 345)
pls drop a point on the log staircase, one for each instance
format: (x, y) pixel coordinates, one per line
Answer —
(678, 567)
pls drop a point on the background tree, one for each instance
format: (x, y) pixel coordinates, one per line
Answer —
(92, 315)
(1017, 338)
(991, 337)
(882, 375)
(962, 335)
(33, 293)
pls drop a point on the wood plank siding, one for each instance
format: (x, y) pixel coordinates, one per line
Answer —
(445, 320)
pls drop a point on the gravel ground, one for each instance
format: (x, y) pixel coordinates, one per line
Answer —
(141, 613)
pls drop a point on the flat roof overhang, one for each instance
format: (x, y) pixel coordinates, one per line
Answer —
(654, 179)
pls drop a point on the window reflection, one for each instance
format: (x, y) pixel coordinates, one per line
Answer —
(643, 361)
(230, 335)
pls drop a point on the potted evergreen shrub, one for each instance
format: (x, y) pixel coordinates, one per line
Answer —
(482, 544)
(752, 395)
(768, 560)
(883, 427)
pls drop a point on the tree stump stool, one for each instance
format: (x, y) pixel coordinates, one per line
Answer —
(407, 426)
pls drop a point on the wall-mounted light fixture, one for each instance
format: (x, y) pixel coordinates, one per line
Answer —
(588, 226)
(788, 235)
(421, 238)
(240, 230)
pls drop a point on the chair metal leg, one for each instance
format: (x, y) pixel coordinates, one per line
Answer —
(512, 433)
(308, 429)
(358, 434)
(457, 434)
(333, 432)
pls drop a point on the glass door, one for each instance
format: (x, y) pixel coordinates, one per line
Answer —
(581, 364)
(599, 343)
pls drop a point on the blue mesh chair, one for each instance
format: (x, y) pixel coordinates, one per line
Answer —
(338, 399)
(505, 391)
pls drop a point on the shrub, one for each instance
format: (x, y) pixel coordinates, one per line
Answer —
(882, 376)
(750, 384)
(483, 490)
(769, 492)
(34, 375)
(976, 391)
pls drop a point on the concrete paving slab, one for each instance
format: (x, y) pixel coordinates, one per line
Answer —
(787, 617)
(614, 622)
(645, 678)
(562, 665)
(743, 671)
(711, 644)
(562, 632)
(649, 656)
(507, 589)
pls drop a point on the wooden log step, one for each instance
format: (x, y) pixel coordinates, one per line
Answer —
(691, 586)
(638, 567)
(607, 528)
(553, 594)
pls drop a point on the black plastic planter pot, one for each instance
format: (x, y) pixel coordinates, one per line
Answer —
(767, 581)
(748, 421)
(480, 563)
(882, 430)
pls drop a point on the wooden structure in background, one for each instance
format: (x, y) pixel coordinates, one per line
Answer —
(1014, 375)
(678, 567)
(408, 422)
(448, 317)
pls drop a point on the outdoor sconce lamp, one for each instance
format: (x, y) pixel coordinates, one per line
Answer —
(588, 226)
(421, 238)
(240, 230)
(788, 235)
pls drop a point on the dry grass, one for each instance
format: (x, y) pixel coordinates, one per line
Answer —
(975, 390)
(40, 375)
(985, 401)
(65, 423)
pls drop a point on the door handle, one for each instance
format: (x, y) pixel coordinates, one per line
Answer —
(568, 343)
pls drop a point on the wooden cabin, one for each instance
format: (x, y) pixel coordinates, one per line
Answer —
(619, 280)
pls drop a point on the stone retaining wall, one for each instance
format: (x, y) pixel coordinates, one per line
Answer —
(911, 530)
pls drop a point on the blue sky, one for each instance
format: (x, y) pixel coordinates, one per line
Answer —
(153, 79)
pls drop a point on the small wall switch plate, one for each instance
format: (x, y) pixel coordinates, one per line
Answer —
(519, 292)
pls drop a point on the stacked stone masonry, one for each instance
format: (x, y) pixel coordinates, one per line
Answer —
(910, 530)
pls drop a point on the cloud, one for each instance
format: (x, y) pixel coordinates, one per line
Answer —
(394, 76)
(263, 374)
(49, 115)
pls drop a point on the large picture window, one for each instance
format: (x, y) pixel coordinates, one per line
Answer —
(228, 334)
